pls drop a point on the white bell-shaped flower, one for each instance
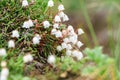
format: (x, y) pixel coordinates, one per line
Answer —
(50, 3)
(11, 44)
(58, 34)
(69, 47)
(24, 3)
(5, 72)
(79, 56)
(3, 64)
(59, 48)
(66, 40)
(53, 31)
(64, 45)
(80, 31)
(3, 52)
(75, 53)
(56, 25)
(61, 14)
(57, 19)
(30, 22)
(70, 28)
(38, 36)
(73, 39)
(36, 40)
(26, 25)
(15, 33)
(79, 44)
(65, 18)
(28, 58)
(46, 24)
(3, 77)
(51, 59)
(61, 7)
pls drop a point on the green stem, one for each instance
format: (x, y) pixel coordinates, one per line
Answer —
(117, 50)
(89, 24)
(111, 34)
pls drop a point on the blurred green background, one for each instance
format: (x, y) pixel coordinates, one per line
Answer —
(100, 16)
(100, 19)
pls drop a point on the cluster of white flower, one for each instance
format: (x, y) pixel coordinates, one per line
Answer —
(5, 71)
(71, 43)
(70, 38)
(11, 43)
(15, 34)
(60, 17)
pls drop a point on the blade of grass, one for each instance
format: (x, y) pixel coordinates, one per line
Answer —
(89, 24)
(117, 50)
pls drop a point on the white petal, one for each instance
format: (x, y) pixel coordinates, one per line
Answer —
(46, 24)
(59, 48)
(30, 23)
(69, 46)
(3, 64)
(56, 25)
(27, 58)
(5, 72)
(79, 56)
(79, 44)
(65, 18)
(66, 40)
(36, 40)
(53, 31)
(26, 24)
(80, 31)
(61, 14)
(15, 33)
(11, 44)
(58, 34)
(57, 18)
(68, 52)
(61, 7)
(24, 3)
(51, 59)
(64, 45)
(2, 52)
(50, 3)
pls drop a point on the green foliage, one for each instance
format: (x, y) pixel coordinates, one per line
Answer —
(97, 56)
(16, 65)
(69, 63)
(99, 63)
(19, 77)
